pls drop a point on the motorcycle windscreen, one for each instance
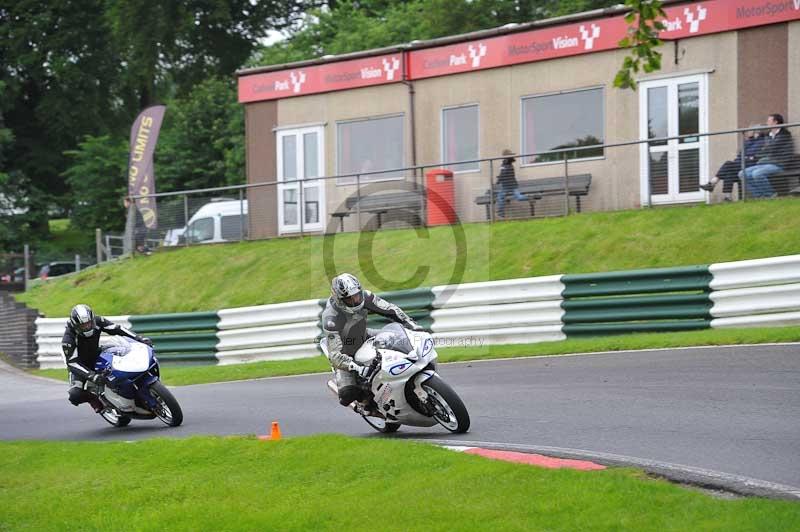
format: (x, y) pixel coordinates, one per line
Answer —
(393, 336)
(136, 360)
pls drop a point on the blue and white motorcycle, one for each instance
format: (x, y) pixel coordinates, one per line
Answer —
(134, 389)
(403, 387)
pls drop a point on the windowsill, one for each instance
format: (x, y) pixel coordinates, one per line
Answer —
(368, 181)
(296, 230)
(460, 172)
(569, 161)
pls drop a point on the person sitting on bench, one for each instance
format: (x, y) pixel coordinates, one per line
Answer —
(773, 158)
(507, 183)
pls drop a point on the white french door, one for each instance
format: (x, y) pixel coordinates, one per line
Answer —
(301, 201)
(672, 171)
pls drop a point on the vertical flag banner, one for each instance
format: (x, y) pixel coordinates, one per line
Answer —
(141, 174)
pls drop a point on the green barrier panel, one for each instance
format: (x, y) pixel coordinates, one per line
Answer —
(416, 298)
(670, 312)
(187, 357)
(598, 329)
(658, 300)
(658, 280)
(184, 321)
(181, 343)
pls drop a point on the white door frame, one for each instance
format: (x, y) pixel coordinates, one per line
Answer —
(319, 184)
(673, 147)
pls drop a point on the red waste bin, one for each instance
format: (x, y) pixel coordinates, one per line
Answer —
(441, 197)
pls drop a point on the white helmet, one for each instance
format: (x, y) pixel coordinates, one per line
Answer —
(82, 320)
(347, 293)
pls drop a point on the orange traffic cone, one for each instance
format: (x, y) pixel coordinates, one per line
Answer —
(275, 433)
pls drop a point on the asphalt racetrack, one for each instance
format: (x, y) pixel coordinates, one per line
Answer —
(734, 410)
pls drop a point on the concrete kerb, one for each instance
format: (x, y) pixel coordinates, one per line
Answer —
(682, 474)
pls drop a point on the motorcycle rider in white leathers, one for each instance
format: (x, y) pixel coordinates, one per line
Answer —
(344, 323)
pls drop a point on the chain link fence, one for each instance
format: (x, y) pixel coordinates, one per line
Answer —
(648, 173)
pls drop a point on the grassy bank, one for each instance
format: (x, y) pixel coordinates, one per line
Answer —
(245, 484)
(252, 273)
(182, 375)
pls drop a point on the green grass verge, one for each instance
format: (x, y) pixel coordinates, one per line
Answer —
(213, 277)
(182, 375)
(341, 483)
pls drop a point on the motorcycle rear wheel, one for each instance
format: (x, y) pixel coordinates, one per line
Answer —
(447, 407)
(381, 425)
(167, 410)
(114, 419)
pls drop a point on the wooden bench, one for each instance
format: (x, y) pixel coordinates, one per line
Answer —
(535, 189)
(380, 204)
(787, 183)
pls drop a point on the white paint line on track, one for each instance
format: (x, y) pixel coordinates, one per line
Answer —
(652, 350)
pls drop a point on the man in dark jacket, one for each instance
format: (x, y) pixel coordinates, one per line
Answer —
(776, 154)
(507, 183)
(81, 346)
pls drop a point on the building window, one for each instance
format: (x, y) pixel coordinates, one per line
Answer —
(566, 120)
(460, 138)
(370, 145)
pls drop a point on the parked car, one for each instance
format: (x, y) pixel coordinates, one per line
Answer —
(15, 277)
(217, 221)
(54, 269)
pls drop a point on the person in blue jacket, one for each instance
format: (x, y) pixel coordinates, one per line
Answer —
(728, 173)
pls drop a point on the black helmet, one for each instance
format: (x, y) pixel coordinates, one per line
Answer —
(81, 318)
(347, 293)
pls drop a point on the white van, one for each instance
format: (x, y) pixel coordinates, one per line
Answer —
(217, 221)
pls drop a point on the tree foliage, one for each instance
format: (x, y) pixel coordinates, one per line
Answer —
(644, 22)
(97, 177)
(202, 142)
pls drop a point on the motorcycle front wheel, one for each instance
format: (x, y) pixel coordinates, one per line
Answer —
(114, 419)
(167, 408)
(447, 407)
(381, 425)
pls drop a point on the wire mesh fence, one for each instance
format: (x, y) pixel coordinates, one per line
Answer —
(753, 163)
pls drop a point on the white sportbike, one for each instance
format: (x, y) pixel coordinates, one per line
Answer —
(402, 386)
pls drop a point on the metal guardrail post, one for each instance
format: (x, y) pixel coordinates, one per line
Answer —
(77, 263)
(743, 163)
(241, 214)
(109, 254)
(423, 197)
(358, 200)
(186, 219)
(301, 211)
(27, 274)
(566, 185)
(98, 245)
(491, 190)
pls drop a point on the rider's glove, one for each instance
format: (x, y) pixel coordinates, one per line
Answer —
(97, 378)
(414, 326)
(362, 371)
(145, 340)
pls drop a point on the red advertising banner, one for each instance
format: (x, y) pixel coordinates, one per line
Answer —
(685, 20)
(682, 21)
(321, 78)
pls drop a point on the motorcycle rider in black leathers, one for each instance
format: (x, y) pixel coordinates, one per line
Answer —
(81, 346)
(344, 323)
